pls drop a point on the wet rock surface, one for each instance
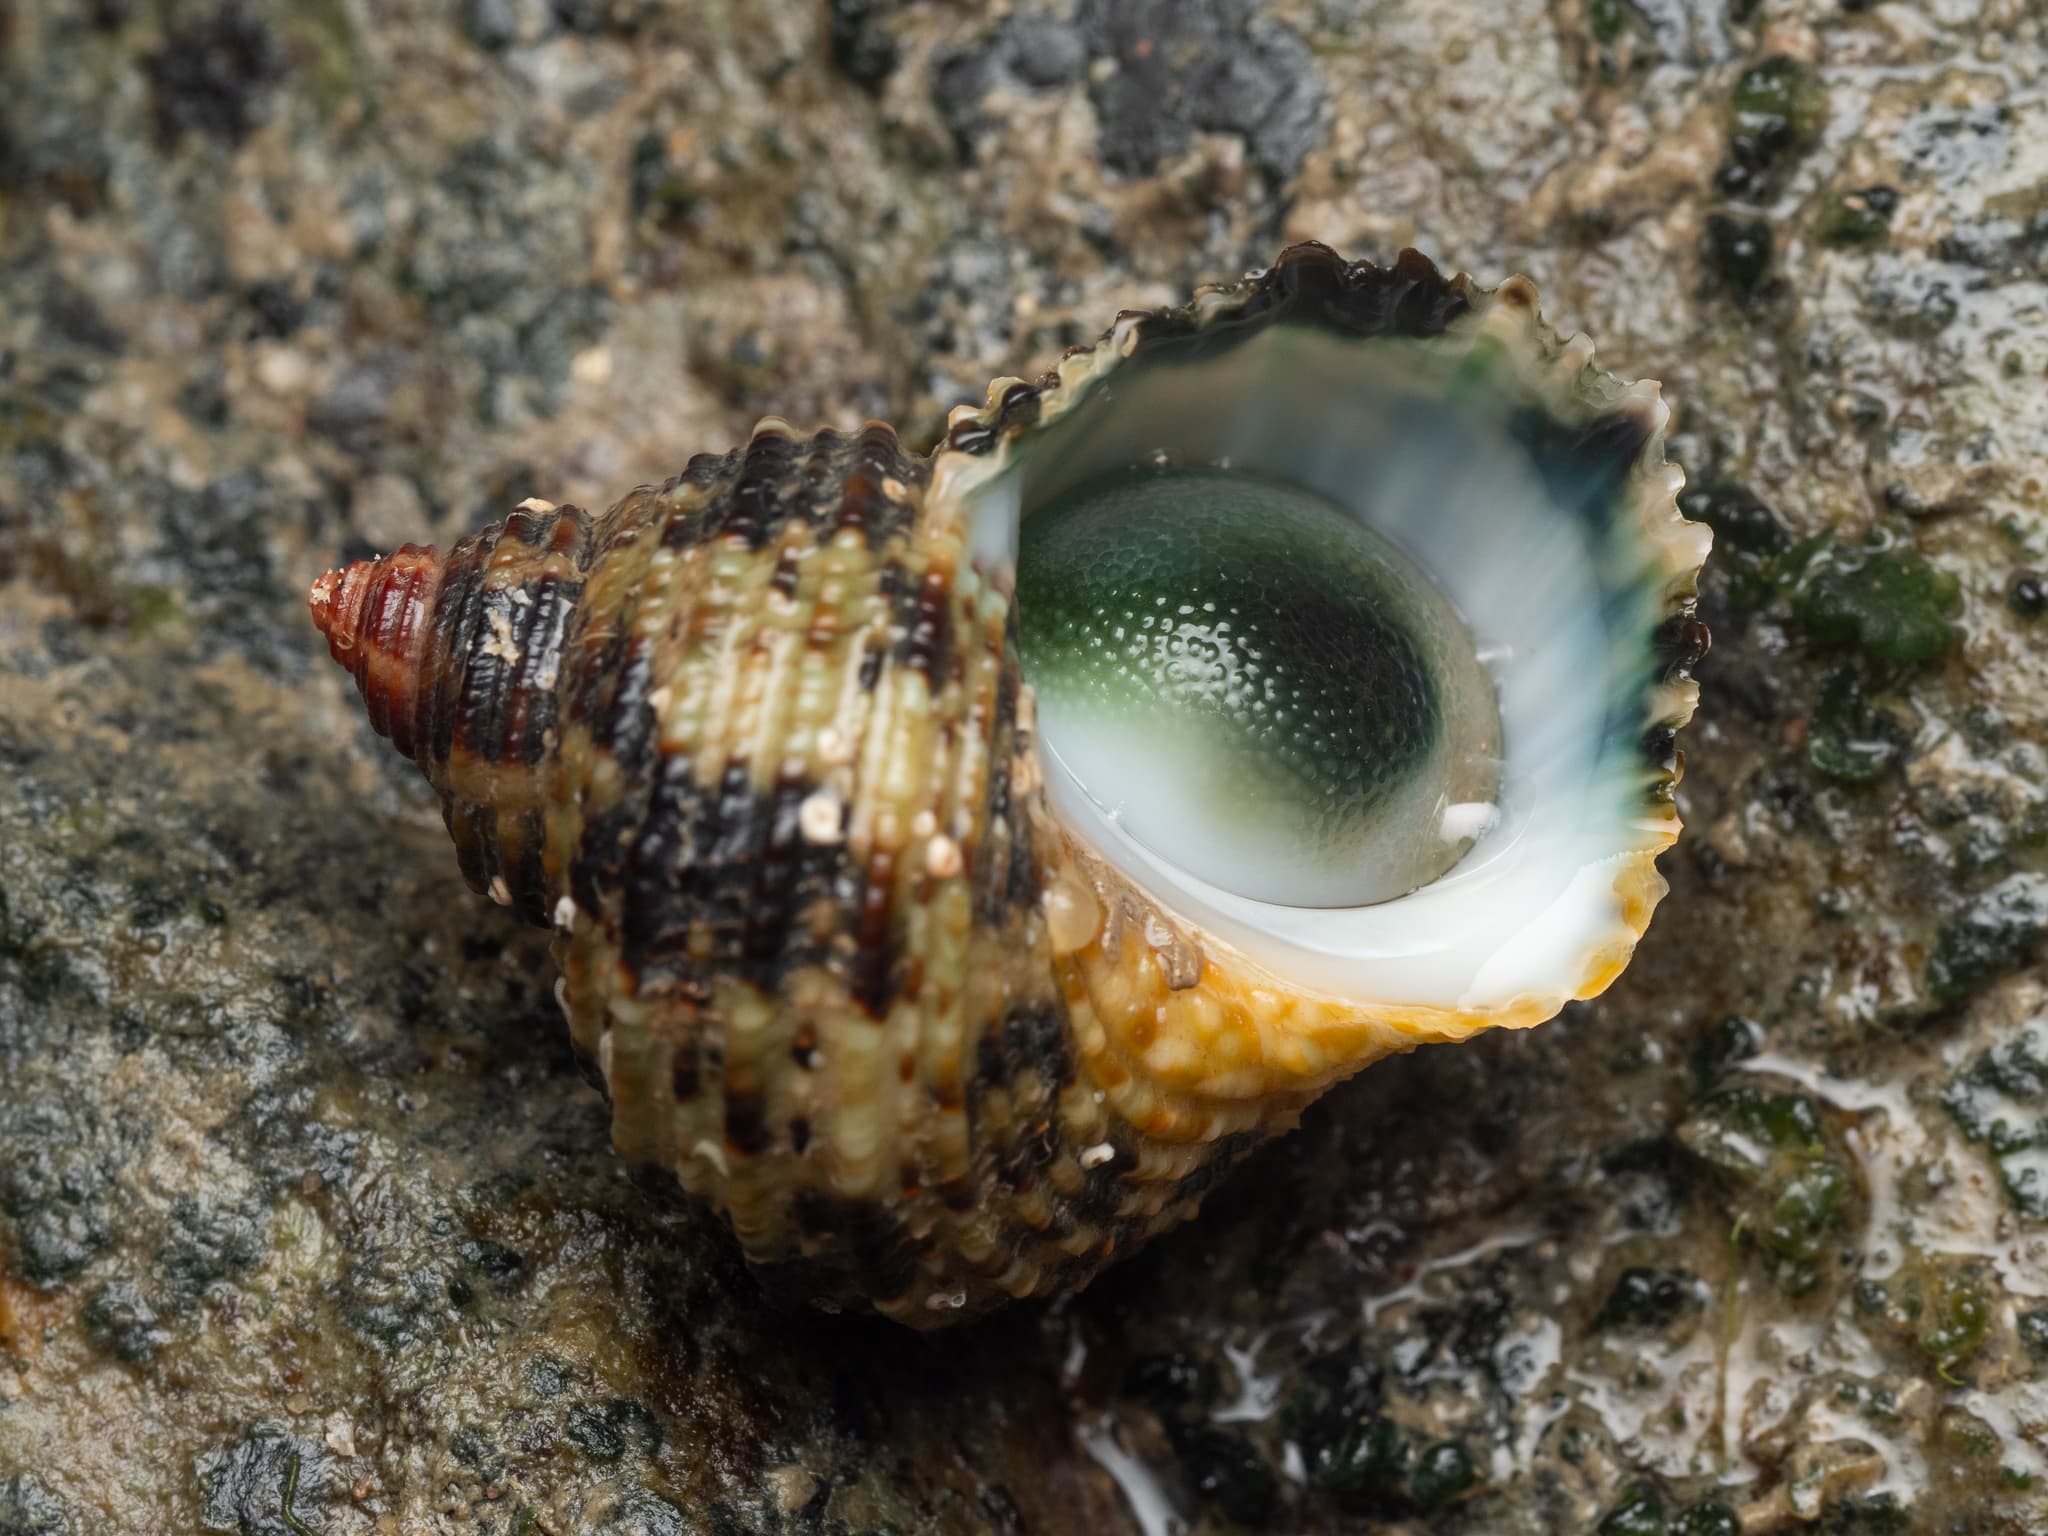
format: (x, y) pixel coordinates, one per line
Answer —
(307, 1220)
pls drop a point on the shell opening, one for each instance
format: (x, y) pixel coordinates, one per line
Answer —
(1476, 458)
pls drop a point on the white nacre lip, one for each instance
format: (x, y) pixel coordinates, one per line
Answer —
(1533, 490)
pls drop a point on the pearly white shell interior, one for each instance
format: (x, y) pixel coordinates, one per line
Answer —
(1551, 572)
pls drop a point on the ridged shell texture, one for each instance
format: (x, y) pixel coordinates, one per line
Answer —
(755, 743)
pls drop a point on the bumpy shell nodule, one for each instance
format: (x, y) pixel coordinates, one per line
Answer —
(755, 743)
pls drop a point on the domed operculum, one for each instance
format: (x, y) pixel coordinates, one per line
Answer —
(458, 657)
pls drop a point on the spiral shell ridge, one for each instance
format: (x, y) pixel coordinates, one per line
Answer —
(458, 657)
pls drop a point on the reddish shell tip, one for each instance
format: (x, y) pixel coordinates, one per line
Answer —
(376, 604)
(336, 601)
(375, 615)
(320, 599)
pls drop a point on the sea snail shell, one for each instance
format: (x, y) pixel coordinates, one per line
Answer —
(866, 952)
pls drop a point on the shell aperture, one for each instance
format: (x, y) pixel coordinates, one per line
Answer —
(861, 958)
(1521, 483)
(1255, 684)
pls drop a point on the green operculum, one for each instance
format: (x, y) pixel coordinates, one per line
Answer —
(1255, 684)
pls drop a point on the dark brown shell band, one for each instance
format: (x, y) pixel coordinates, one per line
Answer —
(457, 657)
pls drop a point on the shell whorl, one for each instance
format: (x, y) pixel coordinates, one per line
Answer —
(803, 935)
(756, 742)
(458, 659)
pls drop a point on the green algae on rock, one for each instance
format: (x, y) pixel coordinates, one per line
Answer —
(1887, 601)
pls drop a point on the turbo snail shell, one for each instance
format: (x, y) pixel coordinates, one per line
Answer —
(959, 862)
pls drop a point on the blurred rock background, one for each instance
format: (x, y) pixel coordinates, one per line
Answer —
(307, 1220)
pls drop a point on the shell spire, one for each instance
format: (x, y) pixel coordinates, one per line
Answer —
(458, 656)
(375, 616)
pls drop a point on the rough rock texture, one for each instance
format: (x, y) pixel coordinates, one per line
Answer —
(307, 1221)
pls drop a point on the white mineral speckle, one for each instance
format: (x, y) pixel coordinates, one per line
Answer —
(499, 643)
(1467, 819)
(942, 858)
(819, 816)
